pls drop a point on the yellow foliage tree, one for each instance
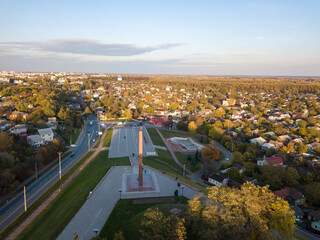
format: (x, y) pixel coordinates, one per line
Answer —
(247, 213)
(192, 127)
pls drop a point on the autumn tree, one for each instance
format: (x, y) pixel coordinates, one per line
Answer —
(192, 127)
(6, 141)
(247, 213)
(155, 225)
(87, 111)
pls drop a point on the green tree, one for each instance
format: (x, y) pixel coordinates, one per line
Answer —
(118, 236)
(312, 193)
(292, 177)
(6, 141)
(234, 173)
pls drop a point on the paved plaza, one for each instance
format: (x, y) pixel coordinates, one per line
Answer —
(125, 141)
(96, 210)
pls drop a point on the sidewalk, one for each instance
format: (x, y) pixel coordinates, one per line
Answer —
(96, 210)
(171, 151)
(23, 225)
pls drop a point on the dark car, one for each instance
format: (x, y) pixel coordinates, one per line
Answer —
(72, 155)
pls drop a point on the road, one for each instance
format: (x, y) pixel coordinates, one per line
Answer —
(11, 210)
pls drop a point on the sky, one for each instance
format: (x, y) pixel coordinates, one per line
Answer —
(214, 37)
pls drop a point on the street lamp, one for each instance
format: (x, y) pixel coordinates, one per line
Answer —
(96, 231)
(182, 187)
(120, 191)
(59, 164)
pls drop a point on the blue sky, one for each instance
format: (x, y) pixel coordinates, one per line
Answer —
(238, 37)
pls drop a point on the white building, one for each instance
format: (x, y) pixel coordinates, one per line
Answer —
(46, 134)
(35, 141)
(218, 179)
(20, 130)
(258, 140)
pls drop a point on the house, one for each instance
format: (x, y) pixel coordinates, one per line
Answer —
(225, 103)
(218, 179)
(272, 161)
(292, 195)
(258, 140)
(52, 123)
(35, 141)
(14, 115)
(20, 130)
(267, 146)
(4, 125)
(284, 138)
(46, 134)
(314, 219)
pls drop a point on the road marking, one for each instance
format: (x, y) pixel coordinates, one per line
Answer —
(29, 199)
(94, 220)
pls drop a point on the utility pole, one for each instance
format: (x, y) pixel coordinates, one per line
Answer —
(25, 198)
(184, 170)
(88, 142)
(36, 169)
(59, 164)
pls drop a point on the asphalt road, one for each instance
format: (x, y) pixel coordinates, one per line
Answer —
(12, 209)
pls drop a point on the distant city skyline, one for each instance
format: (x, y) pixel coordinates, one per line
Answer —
(232, 37)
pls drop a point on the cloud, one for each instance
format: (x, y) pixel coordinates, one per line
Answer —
(264, 6)
(81, 46)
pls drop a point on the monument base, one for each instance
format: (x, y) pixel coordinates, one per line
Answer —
(132, 183)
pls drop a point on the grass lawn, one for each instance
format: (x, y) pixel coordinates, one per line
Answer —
(169, 134)
(75, 134)
(156, 139)
(107, 139)
(43, 197)
(98, 142)
(126, 217)
(165, 156)
(61, 210)
(182, 157)
(299, 236)
(171, 172)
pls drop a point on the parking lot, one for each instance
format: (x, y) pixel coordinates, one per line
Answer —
(125, 142)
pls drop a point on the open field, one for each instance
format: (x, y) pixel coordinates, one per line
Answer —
(169, 134)
(165, 156)
(126, 217)
(61, 210)
(182, 157)
(107, 139)
(156, 139)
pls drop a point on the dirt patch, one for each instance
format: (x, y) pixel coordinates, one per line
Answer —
(153, 200)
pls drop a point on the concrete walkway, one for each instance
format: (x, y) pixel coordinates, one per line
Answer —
(26, 222)
(160, 147)
(197, 178)
(171, 151)
(96, 210)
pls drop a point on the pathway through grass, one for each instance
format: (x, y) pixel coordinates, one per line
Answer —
(107, 139)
